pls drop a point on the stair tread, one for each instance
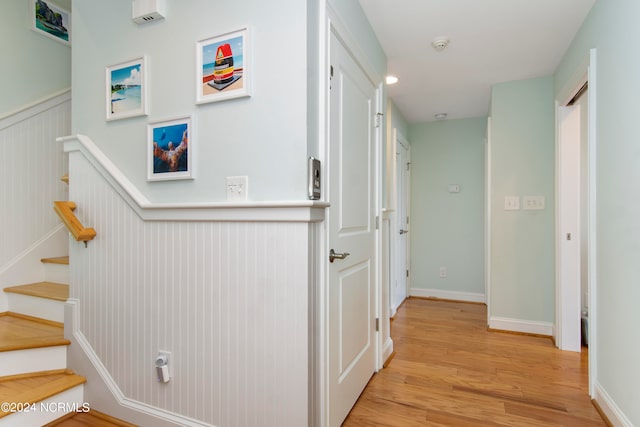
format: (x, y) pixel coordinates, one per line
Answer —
(91, 418)
(49, 290)
(56, 260)
(18, 332)
(37, 387)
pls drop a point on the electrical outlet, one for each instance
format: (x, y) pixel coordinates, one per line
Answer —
(443, 272)
(237, 188)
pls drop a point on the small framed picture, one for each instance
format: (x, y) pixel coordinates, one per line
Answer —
(170, 149)
(126, 89)
(50, 20)
(223, 67)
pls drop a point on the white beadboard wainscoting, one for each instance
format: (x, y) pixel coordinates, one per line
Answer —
(229, 299)
(31, 166)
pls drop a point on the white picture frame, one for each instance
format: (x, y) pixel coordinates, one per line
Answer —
(50, 20)
(223, 66)
(126, 89)
(170, 149)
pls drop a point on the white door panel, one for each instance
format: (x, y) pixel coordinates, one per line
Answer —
(351, 217)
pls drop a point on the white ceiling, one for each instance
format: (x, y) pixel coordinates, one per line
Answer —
(492, 41)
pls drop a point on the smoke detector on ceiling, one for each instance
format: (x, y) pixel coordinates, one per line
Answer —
(440, 43)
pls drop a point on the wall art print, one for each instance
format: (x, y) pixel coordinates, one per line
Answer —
(223, 67)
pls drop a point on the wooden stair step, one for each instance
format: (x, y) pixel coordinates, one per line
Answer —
(36, 387)
(48, 290)
(91, 418)
(19, 332)
(56, 260)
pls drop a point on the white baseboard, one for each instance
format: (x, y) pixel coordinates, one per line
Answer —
(519, 325)
(609, 407)
(451, 295)
(387, 350)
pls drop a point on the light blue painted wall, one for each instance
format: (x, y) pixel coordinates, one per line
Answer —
(263, 137)
(447, 229)
(33, 65)
(522, 241)
(618, 193)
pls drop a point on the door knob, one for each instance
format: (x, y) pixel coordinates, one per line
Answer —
(335, 255)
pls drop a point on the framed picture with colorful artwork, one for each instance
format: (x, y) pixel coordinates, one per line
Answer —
(223, 67)
(50, 20)
(126, 89)
(170, 149)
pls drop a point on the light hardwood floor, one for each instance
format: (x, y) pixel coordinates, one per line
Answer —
(449, 370)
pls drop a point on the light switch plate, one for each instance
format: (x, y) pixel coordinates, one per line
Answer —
(237, 188)
(511, 203)
(533, 203)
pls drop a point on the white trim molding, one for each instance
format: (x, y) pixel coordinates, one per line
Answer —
(450, 295)
(34, 108)
(613, 413)
(520, 325)
(277, 211)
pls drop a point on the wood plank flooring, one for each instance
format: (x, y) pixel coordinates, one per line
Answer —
(448, 370)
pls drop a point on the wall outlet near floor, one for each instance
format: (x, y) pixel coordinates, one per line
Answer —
(237, 188)
(443, 271)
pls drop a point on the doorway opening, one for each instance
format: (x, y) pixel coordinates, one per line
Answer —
(575, 218)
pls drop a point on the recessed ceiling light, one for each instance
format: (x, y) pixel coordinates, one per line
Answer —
(440, 116)
(391, 80)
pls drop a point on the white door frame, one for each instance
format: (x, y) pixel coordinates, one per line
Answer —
(329, 21)
(587, 72)
(487, 221)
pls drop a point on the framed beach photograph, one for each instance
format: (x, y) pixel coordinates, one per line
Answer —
(223, 67)
(50, 20)
(169, 149)
(126, 89)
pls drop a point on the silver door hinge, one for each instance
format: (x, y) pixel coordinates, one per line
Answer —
(330, 76)
(377, 222)
(377, 324)
(407, 220)
(407, 273)
(379, 119)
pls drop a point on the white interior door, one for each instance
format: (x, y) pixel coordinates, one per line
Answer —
(402, 226)
(351, 223)
(568, 230)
